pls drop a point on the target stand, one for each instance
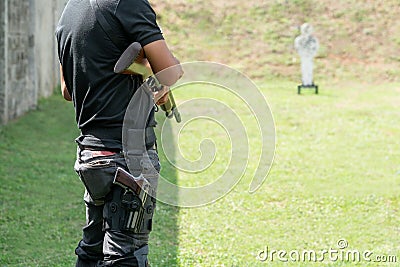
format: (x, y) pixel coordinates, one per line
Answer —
(312, 86)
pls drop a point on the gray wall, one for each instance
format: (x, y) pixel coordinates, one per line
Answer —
(28, 62)
(2, 62)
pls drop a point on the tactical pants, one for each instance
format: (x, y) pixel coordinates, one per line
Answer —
(100, 247)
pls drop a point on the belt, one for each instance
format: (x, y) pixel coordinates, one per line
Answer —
(98, 153)
(102, 153)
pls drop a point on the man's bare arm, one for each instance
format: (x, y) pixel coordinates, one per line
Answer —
(161, 59)
(64, 90)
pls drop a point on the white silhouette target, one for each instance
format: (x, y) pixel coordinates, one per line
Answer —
(307, 46)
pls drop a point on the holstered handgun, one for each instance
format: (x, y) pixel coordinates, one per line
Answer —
(136, 202)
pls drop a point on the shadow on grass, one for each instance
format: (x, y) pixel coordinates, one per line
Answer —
(164, 240)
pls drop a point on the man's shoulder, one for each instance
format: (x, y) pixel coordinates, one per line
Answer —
(133, 5)
(116, 3)
(110, 5)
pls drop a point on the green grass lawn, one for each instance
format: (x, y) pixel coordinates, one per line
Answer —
(336, 176)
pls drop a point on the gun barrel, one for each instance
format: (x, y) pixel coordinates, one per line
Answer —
(170, 108)
(177, 116)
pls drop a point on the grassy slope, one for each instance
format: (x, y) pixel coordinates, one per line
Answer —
(359, 39)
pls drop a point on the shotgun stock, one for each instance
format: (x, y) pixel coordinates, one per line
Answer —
(130, 63)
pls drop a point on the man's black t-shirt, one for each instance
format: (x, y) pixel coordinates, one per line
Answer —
(88, 57)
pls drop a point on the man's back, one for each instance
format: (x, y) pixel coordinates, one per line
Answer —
(113, 235)
(88, 57)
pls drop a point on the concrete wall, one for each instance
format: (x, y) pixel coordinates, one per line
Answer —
(45, 43)
(28, 62)
(2, 61)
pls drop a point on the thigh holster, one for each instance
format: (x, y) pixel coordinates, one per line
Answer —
(131, 206)
(132, 202)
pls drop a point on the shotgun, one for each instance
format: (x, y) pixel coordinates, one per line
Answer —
(129, 63)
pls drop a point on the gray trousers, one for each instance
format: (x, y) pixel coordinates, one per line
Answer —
(100, 247)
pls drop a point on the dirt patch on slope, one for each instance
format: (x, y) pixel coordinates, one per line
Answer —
(359, 39)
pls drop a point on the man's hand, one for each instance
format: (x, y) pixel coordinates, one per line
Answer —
(161, 97)
(64, 90)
